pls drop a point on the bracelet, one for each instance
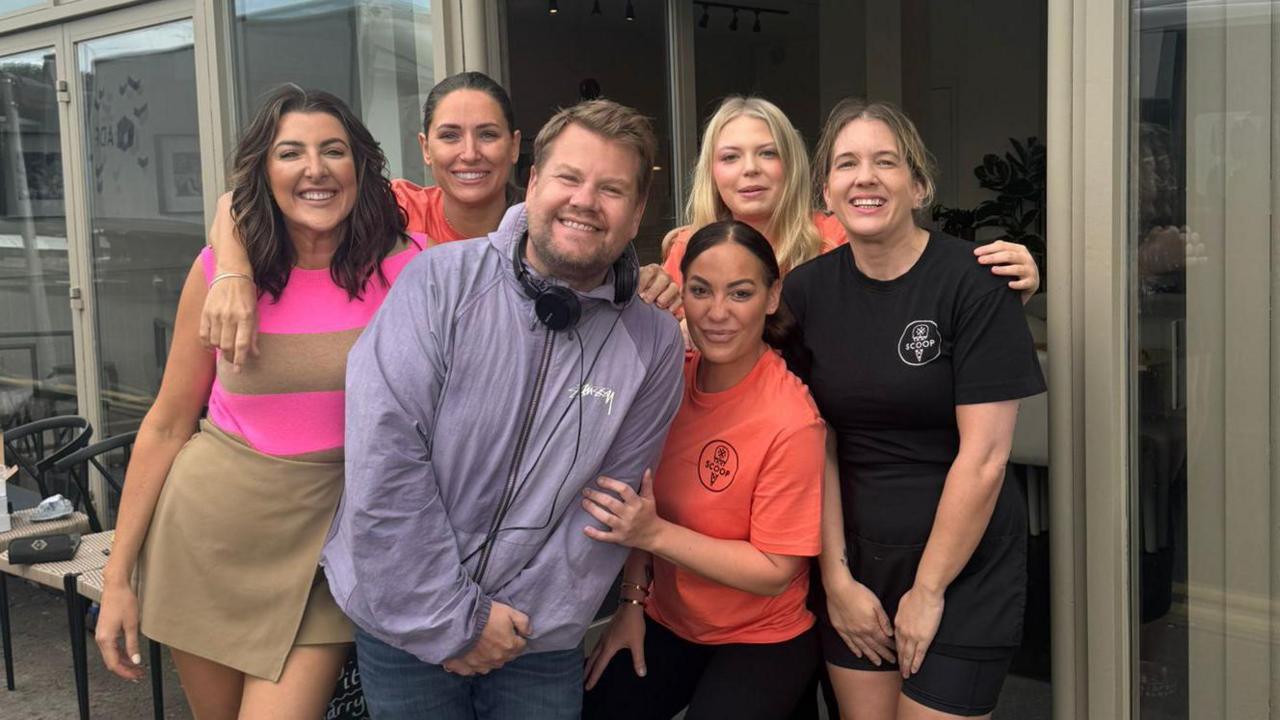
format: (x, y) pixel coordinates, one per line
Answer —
(225, 275)
(633, 602)
(634, 586)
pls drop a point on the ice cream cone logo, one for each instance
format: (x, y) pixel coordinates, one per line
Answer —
(921, 343)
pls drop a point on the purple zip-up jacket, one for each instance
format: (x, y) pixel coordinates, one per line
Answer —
(439, 387)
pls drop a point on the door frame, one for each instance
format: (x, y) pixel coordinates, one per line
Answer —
(64, 38)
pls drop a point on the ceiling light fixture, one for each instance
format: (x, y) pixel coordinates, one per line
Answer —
(595, 8)
(707, 5)
(553, 7)
(631, 11)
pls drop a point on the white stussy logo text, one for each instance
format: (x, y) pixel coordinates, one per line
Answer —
(594, 391)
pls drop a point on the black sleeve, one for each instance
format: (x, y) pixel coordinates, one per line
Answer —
(994, 357)
(793, 348)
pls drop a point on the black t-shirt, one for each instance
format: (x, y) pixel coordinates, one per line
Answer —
(888, 361)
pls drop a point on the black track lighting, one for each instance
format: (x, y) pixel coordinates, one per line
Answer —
(631, 11)
(595, 8)
(705, 20)
(553, 7)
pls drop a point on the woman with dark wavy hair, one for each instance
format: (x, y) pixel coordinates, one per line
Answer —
(713, 595)
(223, 518)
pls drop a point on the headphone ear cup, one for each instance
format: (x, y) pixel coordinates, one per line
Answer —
(626, 275)
(557, 308)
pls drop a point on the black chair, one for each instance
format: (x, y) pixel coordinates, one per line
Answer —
(80, 579)
(76, 466)
(36, 446)
(87, 587)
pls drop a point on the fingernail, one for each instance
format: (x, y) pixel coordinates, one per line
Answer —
(642, 672)
(136, 658)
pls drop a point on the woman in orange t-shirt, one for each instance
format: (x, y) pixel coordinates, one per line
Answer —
(713, 595)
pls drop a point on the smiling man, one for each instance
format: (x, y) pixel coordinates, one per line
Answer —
(502, 376)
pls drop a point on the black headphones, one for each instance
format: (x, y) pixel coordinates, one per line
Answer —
(557, 306)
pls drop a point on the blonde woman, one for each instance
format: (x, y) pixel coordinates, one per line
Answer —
(753, 168)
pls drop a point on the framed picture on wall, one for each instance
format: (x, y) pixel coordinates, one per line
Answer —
(178, 174)
(43, 171)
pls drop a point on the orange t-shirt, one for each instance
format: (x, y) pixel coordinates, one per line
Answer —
(829, 229)
(739, 467)
(424, 206)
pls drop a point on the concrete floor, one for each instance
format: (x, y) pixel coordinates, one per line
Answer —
(42, 669)
(46, 688)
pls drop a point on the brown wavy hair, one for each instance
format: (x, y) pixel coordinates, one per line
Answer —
(374, 228)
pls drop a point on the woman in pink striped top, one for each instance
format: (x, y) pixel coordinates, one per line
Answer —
(224, 526)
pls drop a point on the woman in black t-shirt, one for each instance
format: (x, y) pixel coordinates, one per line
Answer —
(917, 358)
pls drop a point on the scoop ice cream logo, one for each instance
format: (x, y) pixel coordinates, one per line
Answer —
(921, 343)
(717, 465)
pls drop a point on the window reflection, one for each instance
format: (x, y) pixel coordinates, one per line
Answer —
(146, 203)
(37, 360)
(374, 54)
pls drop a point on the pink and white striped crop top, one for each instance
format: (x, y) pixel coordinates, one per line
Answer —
(289, 401)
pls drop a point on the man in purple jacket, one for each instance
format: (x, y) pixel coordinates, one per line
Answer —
(503, 375)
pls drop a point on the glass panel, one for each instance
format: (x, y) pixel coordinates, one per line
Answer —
(12, 6)
(558, 59)
(1205, 416)
(37, 359)
(146, 204)
(374, 54)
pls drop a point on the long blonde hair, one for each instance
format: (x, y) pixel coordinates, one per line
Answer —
(795, 237)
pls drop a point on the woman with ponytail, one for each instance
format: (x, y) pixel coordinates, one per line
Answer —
(713, 595)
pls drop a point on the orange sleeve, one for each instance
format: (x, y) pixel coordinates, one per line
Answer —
(410, 199)
(832, 232)
(672, 263)
(786, 508)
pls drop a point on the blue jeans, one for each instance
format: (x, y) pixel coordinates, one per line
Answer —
(399, 686)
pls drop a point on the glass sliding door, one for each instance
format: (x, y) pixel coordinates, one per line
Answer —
(377, 55)
(586, 50)
(37, 354)
(144, 201)
(1205, 358)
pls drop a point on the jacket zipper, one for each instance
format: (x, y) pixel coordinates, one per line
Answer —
(526, 428)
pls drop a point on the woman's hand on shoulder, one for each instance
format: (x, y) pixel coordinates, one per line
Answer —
(229, 319)
(858, 617)
(118, 620)
(657, 288)
(1013, 260)
(626, 630)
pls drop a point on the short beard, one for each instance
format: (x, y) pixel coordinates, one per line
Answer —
(575, 273)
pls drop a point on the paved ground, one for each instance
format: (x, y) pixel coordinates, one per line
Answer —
(46, 688)
(42, 669)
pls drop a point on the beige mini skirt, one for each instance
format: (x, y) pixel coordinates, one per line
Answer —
(229, 569)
